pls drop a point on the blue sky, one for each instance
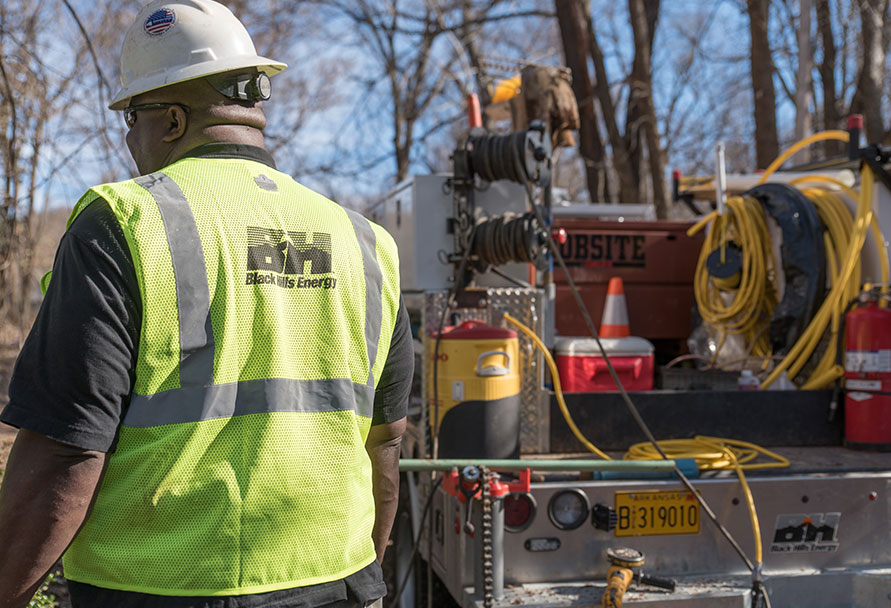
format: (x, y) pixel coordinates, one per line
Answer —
(355, 128)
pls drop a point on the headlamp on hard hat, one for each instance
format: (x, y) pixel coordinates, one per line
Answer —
(242, 87)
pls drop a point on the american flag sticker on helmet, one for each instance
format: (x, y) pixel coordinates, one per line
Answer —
(159, 22)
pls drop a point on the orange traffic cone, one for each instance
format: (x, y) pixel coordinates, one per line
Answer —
(615, 314)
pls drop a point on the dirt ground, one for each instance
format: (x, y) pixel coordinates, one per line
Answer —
(7, 434)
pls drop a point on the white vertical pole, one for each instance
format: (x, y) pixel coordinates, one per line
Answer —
(803, 80)
(720, 178)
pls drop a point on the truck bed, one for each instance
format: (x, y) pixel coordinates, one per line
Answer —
(803, 460)
(767, 418)
(825, 520)
(866, 588)
(847, 562)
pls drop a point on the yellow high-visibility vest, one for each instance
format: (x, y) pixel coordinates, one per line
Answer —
(267, 316)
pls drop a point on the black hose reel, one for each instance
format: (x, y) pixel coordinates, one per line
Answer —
(803, 261)
(522, 157)
(510, 238)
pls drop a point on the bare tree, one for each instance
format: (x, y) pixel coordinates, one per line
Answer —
(401, 44)
(689, 99)
(629, 190)
(643, 21)
(766, 140)
(574, 32)
(831, 115)
(641, 124)
(803, 77)
(419, 59)
(868, 96)
(644, 14)
(33, 96)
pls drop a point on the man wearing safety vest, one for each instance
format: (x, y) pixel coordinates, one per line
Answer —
(212, 397)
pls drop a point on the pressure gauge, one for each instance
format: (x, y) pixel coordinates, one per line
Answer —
(568, 509)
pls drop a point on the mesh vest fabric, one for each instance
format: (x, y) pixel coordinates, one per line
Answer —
(267, 316)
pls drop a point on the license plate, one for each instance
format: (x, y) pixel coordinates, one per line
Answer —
(656, 512)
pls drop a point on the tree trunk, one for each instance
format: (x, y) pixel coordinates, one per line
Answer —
(767, 145)
(469, 36)
(868, 96)
(628, 188)
(634, 116)
(803, 79)
(642, 82)
(831, 113)
(8, 208)
(573, 31)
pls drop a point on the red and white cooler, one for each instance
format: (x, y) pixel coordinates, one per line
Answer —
(583, 369)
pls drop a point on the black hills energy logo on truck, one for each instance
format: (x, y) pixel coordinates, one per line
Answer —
(806, 533)
(280, 258)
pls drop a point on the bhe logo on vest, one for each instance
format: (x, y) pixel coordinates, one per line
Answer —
(274, 256)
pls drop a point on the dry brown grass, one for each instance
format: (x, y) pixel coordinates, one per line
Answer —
(7, 436)
(51, 226)
(8, 353)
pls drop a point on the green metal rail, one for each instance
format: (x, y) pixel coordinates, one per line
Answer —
(447, 464)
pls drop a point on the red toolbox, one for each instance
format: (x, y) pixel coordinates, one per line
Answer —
(583, 369)
(656, 260)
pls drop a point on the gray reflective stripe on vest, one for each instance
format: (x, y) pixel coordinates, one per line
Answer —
(192, 293)
(194, 404)
(198, 398)
(374, 284)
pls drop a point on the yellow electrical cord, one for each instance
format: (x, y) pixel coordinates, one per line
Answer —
(827, 369)
(840, 228)
(710, 453)
(716, 453)
(558, 390)
(804, 143)
(749, 313)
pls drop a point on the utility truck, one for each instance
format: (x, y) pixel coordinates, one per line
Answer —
(534, 482)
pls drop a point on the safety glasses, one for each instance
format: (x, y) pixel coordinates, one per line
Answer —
(130, 112)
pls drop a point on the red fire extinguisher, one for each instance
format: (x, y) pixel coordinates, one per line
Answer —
(868, 377)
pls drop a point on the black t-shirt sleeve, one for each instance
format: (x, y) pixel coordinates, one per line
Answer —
(391, 395)
(74, 374)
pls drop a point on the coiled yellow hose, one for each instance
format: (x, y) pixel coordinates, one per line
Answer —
(750, 307)
(754, 300)
(714, 453)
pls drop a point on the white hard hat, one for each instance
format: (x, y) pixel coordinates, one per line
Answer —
(177, 40)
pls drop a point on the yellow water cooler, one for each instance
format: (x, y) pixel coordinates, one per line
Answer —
(478, 391)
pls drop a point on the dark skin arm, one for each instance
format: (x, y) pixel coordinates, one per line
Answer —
(383, 446)
(47, 491)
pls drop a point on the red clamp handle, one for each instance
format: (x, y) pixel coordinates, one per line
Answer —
(451, 485)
